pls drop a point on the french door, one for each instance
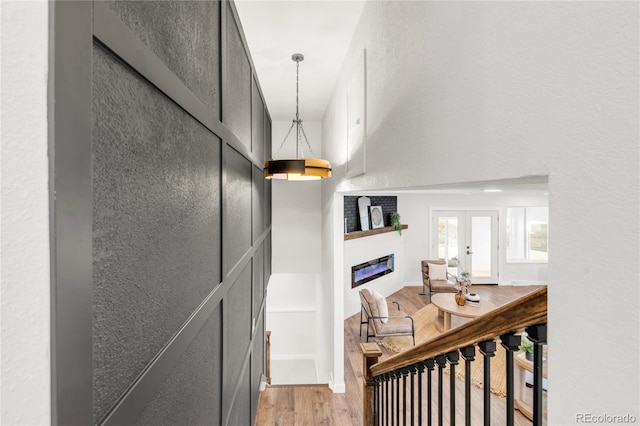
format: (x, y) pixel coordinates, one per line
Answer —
(468, 241)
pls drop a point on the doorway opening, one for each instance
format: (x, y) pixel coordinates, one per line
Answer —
(468, 241)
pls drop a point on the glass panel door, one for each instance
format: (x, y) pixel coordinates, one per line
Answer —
(448, 241)
(468, 241)
(483, 247)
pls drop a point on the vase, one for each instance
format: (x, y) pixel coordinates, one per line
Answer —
(460, 298)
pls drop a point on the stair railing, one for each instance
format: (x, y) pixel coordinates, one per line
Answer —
(388, 401)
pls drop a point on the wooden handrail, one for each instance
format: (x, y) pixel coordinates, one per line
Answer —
(525, 311)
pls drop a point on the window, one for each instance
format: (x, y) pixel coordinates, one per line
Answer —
(527, 234)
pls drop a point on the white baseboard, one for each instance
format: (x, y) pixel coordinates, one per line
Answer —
(336, 387)
(525, 282)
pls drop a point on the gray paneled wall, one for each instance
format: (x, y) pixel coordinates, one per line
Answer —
(185, 35)
(191, 396)
(156, 207)
(181, 219)
(237, 90)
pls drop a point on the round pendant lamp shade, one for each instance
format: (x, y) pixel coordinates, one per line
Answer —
(297, 168)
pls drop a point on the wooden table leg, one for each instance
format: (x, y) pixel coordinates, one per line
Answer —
(439, 320)
(447, 321)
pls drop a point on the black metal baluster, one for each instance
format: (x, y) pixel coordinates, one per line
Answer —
(453, 358)
(487, 349)
(398, 375)
(442, 361)
(386, 399)
(376, 382)
(413, 370)
(511, 343)
(538, 335)
(405, 373)
(469, 354)
(380, 400)
(430, 363)
(420, 372)
(393, 394)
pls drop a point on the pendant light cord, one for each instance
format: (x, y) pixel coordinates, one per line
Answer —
(297, 122)
(297, 114)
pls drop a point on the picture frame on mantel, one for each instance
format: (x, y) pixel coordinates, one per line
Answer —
(357, 118)
(377, 220)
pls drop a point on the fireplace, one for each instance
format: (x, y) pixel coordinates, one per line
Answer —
(371, 270)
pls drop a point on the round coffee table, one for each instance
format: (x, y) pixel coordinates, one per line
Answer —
(447, 306)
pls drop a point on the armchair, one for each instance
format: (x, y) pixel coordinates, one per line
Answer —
(391, 323)
(436, 279)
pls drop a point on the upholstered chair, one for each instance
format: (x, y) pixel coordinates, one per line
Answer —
(436, 278)
(382, 319)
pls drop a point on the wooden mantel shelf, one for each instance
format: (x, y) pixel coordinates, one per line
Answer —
(361, 234)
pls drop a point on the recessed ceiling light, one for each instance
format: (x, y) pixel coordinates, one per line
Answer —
(492, 190)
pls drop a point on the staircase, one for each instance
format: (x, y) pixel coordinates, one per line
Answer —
(399, 390)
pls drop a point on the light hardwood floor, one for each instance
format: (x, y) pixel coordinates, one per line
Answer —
(318, 405)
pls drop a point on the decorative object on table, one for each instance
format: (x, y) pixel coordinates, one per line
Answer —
(377, 221)
(526, 346)
(473, 297)
(463, 288)
(395, 222)
(363, 208)
(460, 299)
(299, 168)
(465, 279)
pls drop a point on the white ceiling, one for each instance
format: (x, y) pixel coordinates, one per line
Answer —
(532, 185)
(320, 30)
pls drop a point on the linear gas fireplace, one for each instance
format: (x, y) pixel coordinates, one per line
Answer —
(371, 270)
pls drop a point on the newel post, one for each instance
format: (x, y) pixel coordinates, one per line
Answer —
(370, 355)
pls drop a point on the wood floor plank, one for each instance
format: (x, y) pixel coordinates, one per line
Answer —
(313, 405)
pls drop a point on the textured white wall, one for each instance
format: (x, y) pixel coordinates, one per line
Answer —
(475, 91)
(25, 352)
(296, 211)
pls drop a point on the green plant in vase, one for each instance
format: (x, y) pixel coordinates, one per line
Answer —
(526, 346)
(395, 222)
(465, 280)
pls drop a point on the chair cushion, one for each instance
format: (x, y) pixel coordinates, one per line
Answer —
(443, 285)
(368, 302)
(438, 271)
(381, 304)
(396, 325)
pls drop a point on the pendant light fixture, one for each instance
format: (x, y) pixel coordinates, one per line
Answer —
(298, 168)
